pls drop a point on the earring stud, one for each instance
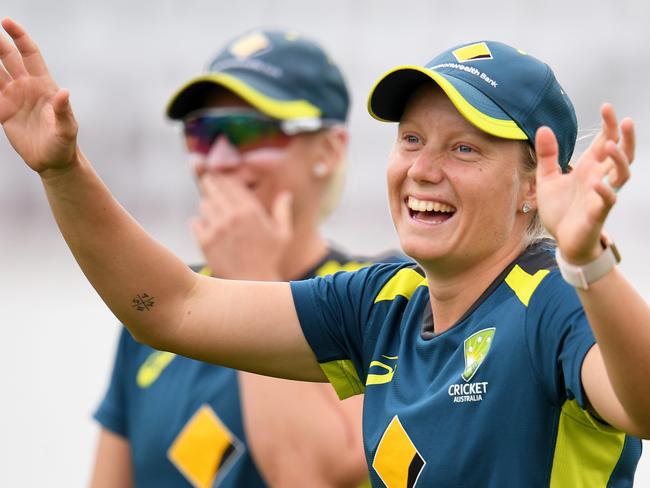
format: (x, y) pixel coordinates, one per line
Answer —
(320, 170)
(526, 207)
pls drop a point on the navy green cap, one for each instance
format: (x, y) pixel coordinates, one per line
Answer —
(501, 90)
(281, 73)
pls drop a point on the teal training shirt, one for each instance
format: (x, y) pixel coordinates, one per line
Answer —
(495, 401)
(182, 417)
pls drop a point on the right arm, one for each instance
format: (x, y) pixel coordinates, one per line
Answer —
(245, 325)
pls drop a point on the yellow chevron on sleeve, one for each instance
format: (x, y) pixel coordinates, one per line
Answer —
(524, 284)
(403, 283)
(333, 266)
(152, 367)
(343, 377)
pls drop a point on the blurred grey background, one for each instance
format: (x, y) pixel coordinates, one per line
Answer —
(122, 59)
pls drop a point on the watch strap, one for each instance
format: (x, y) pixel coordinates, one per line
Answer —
(586, 274)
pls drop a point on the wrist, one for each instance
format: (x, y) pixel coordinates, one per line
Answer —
(55, 173)
(582, 275)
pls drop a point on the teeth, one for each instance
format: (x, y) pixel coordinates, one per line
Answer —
(428, 206)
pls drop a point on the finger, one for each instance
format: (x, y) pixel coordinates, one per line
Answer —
(11, 58)
(609, 127)
(628, 138)
(31, 56)
(282, 213)
(608, 131)
(200, 230)
(237, 193)
(197, 166)
(547, 151)
(4, 77)
(211, 220)
(621, 170)
(608, 199)
(215, 192)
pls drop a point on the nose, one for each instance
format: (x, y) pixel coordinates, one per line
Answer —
(427, 168)
(222, 155)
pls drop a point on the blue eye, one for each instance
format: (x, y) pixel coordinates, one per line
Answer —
(411, 139)
(464, 149)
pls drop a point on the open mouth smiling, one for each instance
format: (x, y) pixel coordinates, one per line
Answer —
(429, 211)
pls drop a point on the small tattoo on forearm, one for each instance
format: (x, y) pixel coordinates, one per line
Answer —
(143, 302)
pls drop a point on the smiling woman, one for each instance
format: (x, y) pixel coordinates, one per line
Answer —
(492, 363)
(443, 162)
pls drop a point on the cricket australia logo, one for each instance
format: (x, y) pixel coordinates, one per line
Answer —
(476, 348)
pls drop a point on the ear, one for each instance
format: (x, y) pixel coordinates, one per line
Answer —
(333, 150)
(528, 192)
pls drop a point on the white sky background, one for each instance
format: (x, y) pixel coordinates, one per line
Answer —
(122, 59)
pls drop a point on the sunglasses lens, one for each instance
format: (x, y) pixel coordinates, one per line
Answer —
(244, 131)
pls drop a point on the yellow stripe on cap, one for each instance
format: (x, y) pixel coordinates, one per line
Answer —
(278, 109)
(506, 129)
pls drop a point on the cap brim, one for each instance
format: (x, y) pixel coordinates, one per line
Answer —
(392, 91)
(191, 96)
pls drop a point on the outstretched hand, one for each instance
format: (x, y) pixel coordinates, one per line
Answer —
(574, 206)
(34, 112)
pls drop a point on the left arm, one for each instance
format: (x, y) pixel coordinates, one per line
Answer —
(573, 208)
(293, 423)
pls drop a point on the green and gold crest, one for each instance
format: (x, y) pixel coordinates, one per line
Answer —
(476, 348)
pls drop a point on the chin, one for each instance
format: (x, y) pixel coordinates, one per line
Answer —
(421, 250)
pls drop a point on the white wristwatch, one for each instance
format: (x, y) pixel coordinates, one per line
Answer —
(582, 276)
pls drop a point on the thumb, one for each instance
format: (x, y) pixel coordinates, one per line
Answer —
(547, 152)
(282, 212)
(66, 123)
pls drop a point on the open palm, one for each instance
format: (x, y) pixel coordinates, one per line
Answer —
(35, 114)
(574, 206)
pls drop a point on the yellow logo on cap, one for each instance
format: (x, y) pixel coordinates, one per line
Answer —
(249, 45)
(472, 52)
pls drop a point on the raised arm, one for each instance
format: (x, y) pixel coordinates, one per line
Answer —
(573, 208)
(246, 325)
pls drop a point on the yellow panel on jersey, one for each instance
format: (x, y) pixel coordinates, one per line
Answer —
(586, 451)
(203, 448)
(152, 367)
(333, 266)
(524, 284)
(397, 461)
(404, 283)
(343, 377)
(386, 371)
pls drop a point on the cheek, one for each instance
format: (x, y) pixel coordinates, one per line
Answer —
(396, 172)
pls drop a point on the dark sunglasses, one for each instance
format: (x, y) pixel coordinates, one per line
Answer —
(245, 129)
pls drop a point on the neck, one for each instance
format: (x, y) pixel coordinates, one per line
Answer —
(305, 250)
(452, 294)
